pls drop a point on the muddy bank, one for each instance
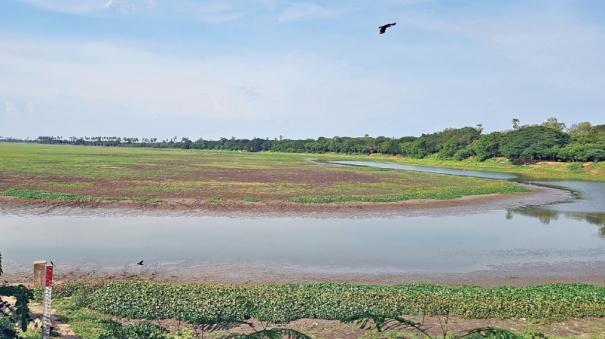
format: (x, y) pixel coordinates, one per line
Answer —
(588, 272)
(183, 207)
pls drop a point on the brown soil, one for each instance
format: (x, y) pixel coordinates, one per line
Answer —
(539, 196)
(434, 326)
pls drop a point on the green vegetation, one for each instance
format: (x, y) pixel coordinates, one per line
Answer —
(43, 195)
(523, 144)
(22, 295)
(424, 194)
(90, 324)
(202, 304)
(63, 173)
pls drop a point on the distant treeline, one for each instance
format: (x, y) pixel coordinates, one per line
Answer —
(551, 140)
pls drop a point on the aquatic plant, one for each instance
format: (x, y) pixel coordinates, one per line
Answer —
(201, 303)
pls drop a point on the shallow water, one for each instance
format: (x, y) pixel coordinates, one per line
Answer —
(429, 169)
(442, 243)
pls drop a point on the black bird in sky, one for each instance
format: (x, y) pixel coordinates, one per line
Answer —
(383, 28)
(140, 263)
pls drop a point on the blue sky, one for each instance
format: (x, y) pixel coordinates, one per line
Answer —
(264, 68)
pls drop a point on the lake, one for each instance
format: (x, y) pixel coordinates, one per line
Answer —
(442, 243)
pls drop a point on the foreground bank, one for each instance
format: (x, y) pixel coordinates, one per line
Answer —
(321, 309)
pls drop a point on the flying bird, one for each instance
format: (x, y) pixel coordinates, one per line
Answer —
(383, 28)
(140, 263)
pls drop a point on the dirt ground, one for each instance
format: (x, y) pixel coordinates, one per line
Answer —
(433, 326)
(182, 206)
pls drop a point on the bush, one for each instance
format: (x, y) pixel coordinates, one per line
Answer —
(463, 154)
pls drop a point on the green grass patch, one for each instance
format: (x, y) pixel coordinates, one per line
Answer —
(91, 324)
(143, 198)
(281, 303)
(428, 194)
(214, 200)
(29, 194)
(250, 199)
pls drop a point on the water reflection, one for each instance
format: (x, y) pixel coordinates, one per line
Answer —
(588, 205)
(546, 215)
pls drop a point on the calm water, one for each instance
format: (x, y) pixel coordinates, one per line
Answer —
(444, 243)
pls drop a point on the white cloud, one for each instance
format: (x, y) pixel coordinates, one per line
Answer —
(94, 84)
(9, 107)
(219, 11)
(306, 11)
(89, 6)
(69, 6)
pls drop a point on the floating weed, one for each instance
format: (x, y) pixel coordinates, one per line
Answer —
(280, 303)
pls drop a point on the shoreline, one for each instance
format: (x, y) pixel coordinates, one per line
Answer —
(591, 272)
(540, 195)
(583, 272)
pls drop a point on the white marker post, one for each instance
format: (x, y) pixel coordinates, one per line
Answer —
(48, 290)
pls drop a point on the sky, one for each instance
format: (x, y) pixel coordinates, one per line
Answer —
(299, 69)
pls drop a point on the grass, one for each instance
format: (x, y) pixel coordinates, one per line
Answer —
(91, 324)
(160, 176)
(86, 323)
(424, 194)
(29, 194)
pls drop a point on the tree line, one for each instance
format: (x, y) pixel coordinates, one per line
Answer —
(551, 140)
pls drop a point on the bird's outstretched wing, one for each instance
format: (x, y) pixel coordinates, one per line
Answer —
(383, 28)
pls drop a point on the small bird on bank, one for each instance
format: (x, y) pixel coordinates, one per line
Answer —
(383, 28)
(140, 263)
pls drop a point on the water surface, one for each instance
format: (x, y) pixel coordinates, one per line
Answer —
(442, 243)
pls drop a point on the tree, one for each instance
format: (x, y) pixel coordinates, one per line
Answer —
(553, 123)
(515, 123)
(486, 146)
(186, 143)
(531, 143)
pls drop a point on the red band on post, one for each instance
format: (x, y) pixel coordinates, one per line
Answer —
(49, 276)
